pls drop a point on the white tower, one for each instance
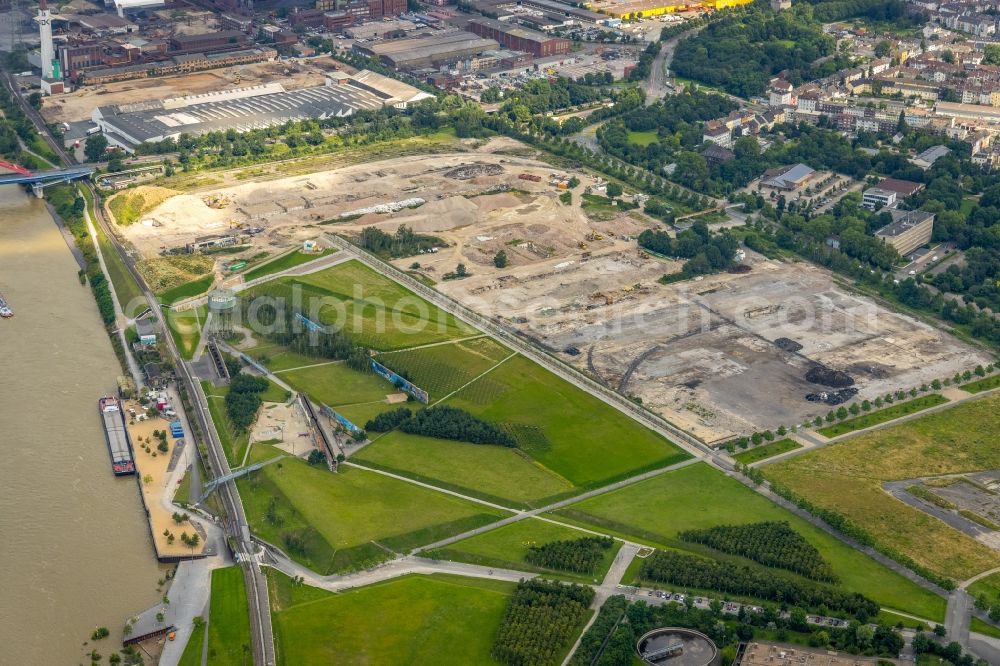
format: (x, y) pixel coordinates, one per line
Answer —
(48, 52)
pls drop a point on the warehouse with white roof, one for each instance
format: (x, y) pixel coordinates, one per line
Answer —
(245, 109)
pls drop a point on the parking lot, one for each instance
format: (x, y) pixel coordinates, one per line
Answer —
(659, 597)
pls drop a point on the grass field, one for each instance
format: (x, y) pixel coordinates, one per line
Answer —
(233, 443)
(376, 311)
(228, 619)
(983, 628)
(277, 358)
(506, 547)
(990, 586)
(567, 439)
(643, 138)
(284, 262)
(441, 369)
(978, 386)
(696, 497)
(846, 477)
(494, 473)
(434, 620)
(350, 518)
(768, 450)
(194, 648)
(336, 384)
(883, 415)
(185, 328)
(187, 290)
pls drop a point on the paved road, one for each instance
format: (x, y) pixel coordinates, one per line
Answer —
(957, 617)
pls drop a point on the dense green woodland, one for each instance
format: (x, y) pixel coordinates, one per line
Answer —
(742, 51)
(689, 571)
(576, 555)
(446, 422)
(541, 622)
(705, 252)
(772, 544)
(403, 243)
(243, 399)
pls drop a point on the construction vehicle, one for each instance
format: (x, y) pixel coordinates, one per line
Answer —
(582, 245)
(594, 236)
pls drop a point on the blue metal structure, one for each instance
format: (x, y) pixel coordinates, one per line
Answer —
(42, 179)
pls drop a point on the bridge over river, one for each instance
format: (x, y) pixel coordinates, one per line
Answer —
(39, 180)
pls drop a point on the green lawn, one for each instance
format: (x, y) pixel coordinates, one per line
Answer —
(441, 369)
(990, 586)
(756, 453)
(567, 439)
(847, 478)
(187, 290)
(194, 648)
(277, 358)
(434, 620)
(233, 443)
(643, 138)
(284, 262)
(229, 619)
(185, 328)
(334, 522)
(983, 628)
(494, 473)
(564, 428)
(336, 384)
(883, 415)
(695, 497)
(182, 495)
(980, 385)
(506, 548)
(376, 311)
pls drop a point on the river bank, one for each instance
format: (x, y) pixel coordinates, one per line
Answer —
(77, 553)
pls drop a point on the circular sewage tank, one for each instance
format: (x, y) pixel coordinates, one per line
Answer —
(674, 646)
(222, 300)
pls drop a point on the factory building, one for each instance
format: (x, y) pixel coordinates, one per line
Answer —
(519, 39)
(244, 109)
(908, 230)
(440, 50)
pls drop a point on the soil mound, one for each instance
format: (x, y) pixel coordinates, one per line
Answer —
(820, 374)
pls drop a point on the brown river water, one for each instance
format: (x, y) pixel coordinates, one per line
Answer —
(75, 552)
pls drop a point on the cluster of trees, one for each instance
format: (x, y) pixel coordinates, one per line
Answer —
(595, 643)
(851, 529)
(743, 50)
(951, 653)
(390, 420)
(895, 12)
(541, 95)
(243, 399)
(69, 205)
(675, 568)
(705, 252)
(542, 619)
(577, 555)
(403, 243)
(611, 639)
(445, 422)
(285, 327)
(773, 544)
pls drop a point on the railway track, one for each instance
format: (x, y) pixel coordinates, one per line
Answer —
(234, 524)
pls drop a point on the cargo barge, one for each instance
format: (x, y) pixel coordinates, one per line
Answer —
(119, 445)
(5, 310)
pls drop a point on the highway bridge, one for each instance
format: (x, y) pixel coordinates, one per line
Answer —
(39, 180)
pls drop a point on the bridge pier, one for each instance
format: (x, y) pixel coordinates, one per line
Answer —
(38, 190)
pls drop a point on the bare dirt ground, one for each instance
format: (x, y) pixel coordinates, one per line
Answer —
(466, 206)
(285, 425)
(79, 104)
(700, 352)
